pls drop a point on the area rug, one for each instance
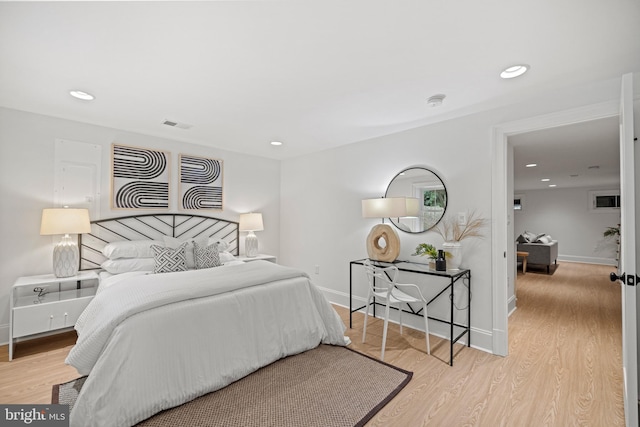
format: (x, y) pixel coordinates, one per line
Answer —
(327, 386)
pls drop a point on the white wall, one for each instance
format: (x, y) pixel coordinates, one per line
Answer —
(564, 214)
(321, 206)
(26, 187)
(321, 196)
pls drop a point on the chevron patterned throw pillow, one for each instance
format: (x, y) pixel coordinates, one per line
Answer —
(168, 260)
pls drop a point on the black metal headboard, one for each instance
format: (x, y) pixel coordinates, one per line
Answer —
(152, 227)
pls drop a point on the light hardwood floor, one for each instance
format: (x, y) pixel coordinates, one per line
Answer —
(564, 366)
(36, 366)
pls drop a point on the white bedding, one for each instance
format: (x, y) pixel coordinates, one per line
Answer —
(152, 342)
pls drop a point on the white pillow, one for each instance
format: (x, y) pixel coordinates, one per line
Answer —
(130, 249)
(222, 244)
(544, 239)
(226, 257)
(124, 265)
(174, 243)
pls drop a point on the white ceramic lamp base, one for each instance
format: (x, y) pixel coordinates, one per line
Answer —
(66, 258)
(251, 245)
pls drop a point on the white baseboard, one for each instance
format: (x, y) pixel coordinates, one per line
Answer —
(480, 339)
(4, 334)
(340, 298)
(511, 305)
(588, 260)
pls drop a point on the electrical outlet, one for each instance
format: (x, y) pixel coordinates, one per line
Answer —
(462, 218)
(317, 269)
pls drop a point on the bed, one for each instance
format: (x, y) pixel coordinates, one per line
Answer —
(148, 342)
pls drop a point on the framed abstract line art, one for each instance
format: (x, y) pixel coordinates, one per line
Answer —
(140, 178)
(200, 183)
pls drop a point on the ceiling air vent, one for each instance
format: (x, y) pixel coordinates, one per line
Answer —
(174, 124)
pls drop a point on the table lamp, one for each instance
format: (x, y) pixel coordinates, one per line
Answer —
(65, 221)
(384, 207)
(251, 222)
(413, 207)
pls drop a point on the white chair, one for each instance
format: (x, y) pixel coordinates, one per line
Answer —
(383, 286)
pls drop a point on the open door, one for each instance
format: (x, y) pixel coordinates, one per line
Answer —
(627, 275)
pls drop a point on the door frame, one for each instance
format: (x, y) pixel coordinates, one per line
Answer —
(502, 251)
(628, 257)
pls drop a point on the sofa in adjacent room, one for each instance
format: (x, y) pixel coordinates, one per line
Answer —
(542, 249)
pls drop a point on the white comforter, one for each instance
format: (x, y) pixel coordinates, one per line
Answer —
(152, 342)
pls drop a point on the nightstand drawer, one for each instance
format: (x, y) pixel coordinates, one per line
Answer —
(47, 317)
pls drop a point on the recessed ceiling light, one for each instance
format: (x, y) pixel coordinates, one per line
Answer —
(545, 180)
(531, 165)
(514, 71)
(276, 143)
(552, 185)
(85, 96)
(436, 100)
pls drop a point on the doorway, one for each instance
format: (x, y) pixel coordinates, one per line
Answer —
(557, 175)
(503, 250)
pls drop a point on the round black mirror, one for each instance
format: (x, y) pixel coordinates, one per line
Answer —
(426, 199)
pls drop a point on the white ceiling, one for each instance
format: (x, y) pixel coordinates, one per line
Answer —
(312, 74)
(580, 155)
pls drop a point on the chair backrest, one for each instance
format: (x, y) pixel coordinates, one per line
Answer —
(386, 276)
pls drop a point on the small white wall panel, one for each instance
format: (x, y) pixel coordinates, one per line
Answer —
(77, 175)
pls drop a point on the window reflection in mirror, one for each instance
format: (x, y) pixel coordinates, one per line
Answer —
(426, 199)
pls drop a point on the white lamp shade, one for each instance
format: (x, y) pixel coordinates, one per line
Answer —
(413, 207)
(251, 222)
(384, 207)
(64, 221)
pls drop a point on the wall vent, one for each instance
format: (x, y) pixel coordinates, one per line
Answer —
(175, 124)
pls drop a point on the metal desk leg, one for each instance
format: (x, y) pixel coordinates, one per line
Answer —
(350, 295)
(468, 310)
(451, 328)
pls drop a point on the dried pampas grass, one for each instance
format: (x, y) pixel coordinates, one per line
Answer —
(452, 231)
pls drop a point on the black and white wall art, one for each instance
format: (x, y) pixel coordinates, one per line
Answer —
(140, 178)
(200, 183)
